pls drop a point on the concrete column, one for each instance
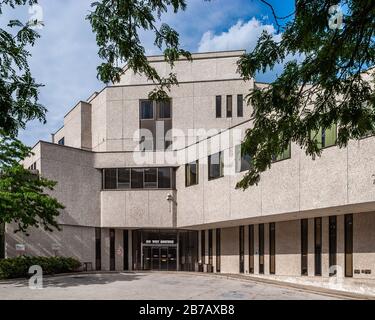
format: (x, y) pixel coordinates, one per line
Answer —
(105, 249)
(246, 248)
(119, 250)
(325, 246)
(266, 248)
(340, 259)
(256, 249)
(311, 248)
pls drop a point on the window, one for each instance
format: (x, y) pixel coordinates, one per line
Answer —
(218, 106)
(286, 154)
(164, 177)
(32, 167)
(318, 246)
(229, 106)
(251, 248)
(215, 166)
(98, 249)
(137, 179)
(261, 249)
(150, 176)
(218, 250)
(112, 255)
(243, 162)
(325, 137)
(332, 244)
(242, 249)
(123, 179)
(110, 178)
(147, 110)
(61, 141)
(191, 173)
(272, 244)
(239, 105)
(304, 247)
(164, 109)
(348, 245)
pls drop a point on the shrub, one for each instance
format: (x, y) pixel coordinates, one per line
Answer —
(19, 267)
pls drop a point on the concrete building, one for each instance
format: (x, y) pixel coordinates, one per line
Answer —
(167, 200)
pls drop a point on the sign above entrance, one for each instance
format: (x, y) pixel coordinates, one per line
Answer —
(160, 241)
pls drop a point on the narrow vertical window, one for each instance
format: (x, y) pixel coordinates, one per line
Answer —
(210, 250)
(2, 240)
(218, 106)
(243, 161)
(251, 249)
(112, 256)
(126, 249)
(203, 246)
(318, 246)
(218, 250)
(332, 245)
(239, 105)
(261, 248)
(191, 173)
(304, 247)
(229, 106)
(242, 250)
(348, 245)
(98, 249)
(272, 247)
(215, 166)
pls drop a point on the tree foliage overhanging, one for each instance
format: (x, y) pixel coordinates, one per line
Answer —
(24, 198)
(322, 87)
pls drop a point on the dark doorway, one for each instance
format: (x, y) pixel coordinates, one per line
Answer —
(112, 255)
(272, 248)
(242, 249)
(251, 248)
(261, 248)
(126, 249)
(98, 249)
(304, 247)
(160, 258)
(332, 245)
(348, 245)
(318, 246)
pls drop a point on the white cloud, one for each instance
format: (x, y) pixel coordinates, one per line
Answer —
(242, 35)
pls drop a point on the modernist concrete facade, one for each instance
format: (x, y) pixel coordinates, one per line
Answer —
(304, 217)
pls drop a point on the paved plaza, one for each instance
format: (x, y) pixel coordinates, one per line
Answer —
(143, 285)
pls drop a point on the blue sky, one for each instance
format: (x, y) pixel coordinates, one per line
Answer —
(65, 57)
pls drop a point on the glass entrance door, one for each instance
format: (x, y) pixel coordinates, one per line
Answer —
(155, 258)
(163, 258)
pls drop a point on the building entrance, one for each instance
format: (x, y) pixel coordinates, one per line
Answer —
(162, 258)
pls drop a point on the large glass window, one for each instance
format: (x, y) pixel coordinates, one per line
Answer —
(215, 166)
(147, 109)
(151, 178)
(165, 177)
(286, 154)
(164, 109)
(304, 247)
(137, 178)
(191, 173)
(123, 179)
(239, 105)
(318, 245)
(325, 137)
(243, 161)
(229, 106)
(218, 106)
(110, 178)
